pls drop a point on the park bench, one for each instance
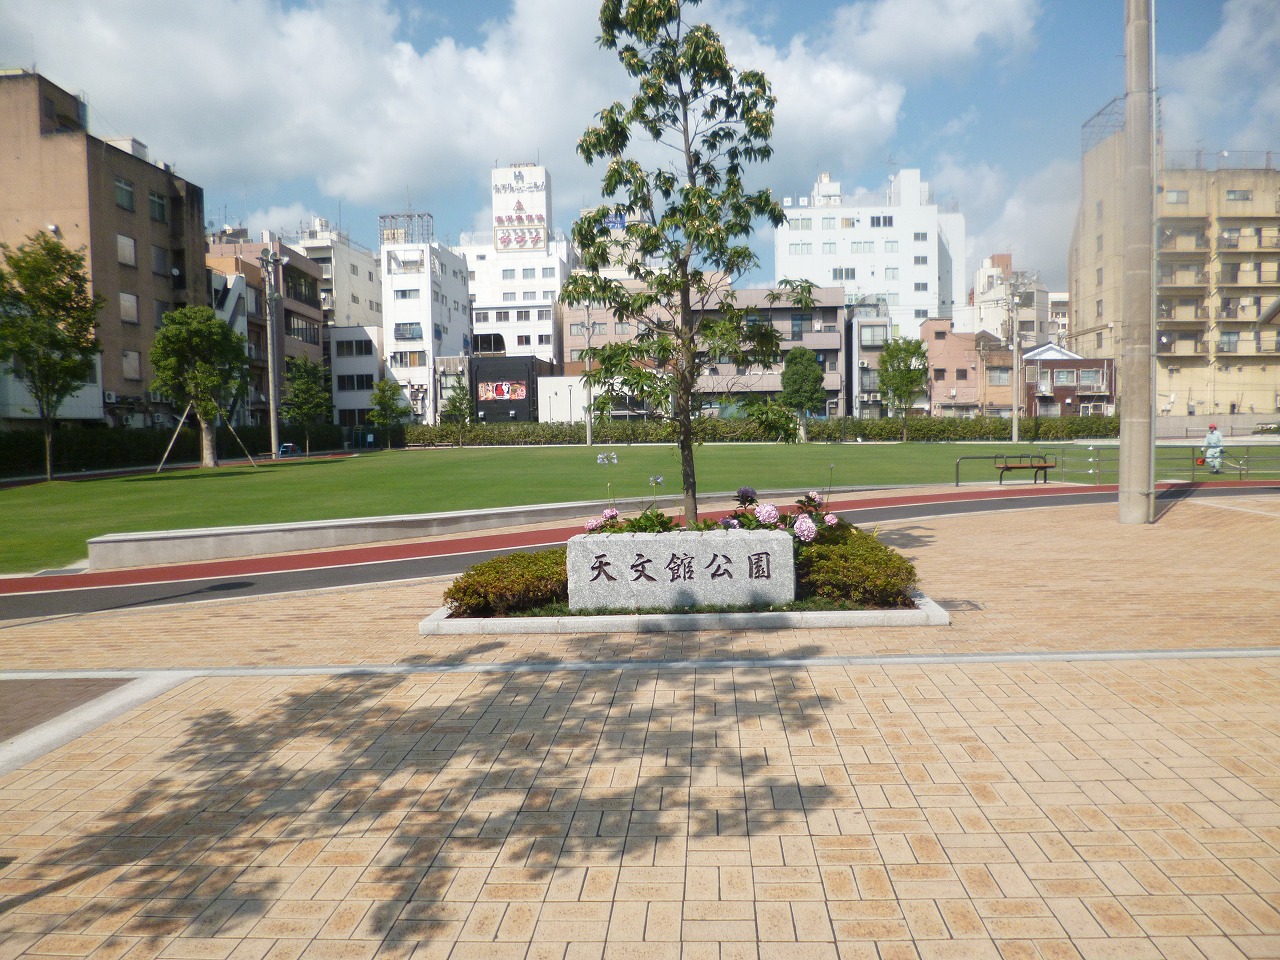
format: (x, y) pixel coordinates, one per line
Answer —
(1038, 464)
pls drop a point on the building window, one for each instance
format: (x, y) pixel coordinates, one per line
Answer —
(355, 271)
(868, 380)
(355, 298)
(998, 376)
(577, 329)
(939, 374)
(802, 223)
(548, 272)
(1097, 210)
(529, 273)
(529, 295)
(1099, 242)
(828, 223)
(355, 381)
(413, 294)
(921, 261)
(800, 249)
(962, 374)
(829, 246)
(509, 296)
(1064, 378)
(1091, 378)
(480, 316)
(502, 316)
(129, 307)
(131, 365)
(891, 273)
(862, 246)
(353, 348)
(873, 336)
(799, 323)
(409, 358)
(509, 273)
(522, 340)
(1097, 308)
(408, 331)
(842, 273)
(622, 328)
(544, 314)
(544, 339)
(575, 355)
(921, 238)
(522, 315)
(1099, 276)
(1097, 340)
(158, 204)
(921, 287)
(882, 221)
(891, 246)
(1176, 196)
(159, 260)
(126, 250)
(922, 315)
(1239, 194)
(162, 307)
(124, 193)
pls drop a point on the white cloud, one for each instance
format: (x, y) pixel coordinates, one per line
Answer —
(280, 220)
(1033, 221)
(1228, 93)
(923, 37)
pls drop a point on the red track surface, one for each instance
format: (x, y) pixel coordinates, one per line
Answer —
(468, 543)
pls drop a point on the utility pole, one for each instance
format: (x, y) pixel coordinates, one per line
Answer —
(1137, 435)
(1019, 282)
(269, 260)
(586, 382)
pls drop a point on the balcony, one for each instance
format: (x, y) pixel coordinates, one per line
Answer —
(1184, 278)
(1227, 346)
(1183, 241)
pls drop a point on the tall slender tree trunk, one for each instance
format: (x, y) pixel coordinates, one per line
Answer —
(208, 445)
(48, 448)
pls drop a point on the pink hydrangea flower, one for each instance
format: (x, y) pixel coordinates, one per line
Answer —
(830, 519)
(815, 496)
(595, 523)
(609, 513)
(805, 528)
(766, 513)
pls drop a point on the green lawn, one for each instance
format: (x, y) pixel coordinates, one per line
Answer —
(47, 524)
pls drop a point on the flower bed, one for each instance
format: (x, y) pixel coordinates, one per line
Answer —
(837, 565)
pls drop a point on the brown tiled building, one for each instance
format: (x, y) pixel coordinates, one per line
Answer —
(140, 224)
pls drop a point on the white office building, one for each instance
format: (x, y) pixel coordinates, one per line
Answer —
(516, 268)
(1001, 296)
(425, 309)
(351, 297)
(899, 248)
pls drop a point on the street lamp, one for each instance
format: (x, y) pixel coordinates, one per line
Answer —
(270, 261)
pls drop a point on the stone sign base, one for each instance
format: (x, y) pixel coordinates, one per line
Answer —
(681, 570)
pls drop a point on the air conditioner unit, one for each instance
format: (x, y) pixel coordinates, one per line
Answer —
(155, 396)
(109, 396)
(953, 393)
(863, 364)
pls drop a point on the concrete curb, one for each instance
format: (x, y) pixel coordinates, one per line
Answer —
(926, 614)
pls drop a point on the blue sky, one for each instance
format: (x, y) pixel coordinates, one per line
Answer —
(351, 108)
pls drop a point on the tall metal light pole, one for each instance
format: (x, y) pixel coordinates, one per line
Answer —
(1137, 435)
(269, 260)
(1019, 283)
(586, 382)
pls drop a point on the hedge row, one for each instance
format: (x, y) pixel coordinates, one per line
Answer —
(77, 449)
(934, 429)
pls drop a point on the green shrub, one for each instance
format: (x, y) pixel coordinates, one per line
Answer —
(510, 583)
(860, 571)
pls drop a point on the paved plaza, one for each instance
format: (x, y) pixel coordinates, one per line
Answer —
(1086, 763)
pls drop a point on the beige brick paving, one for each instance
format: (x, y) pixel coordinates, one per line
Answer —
(1051, 809)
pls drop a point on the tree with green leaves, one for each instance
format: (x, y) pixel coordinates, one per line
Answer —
(389, 406)
(47, 323)
(197, 359)
(802, 388)
(307, 400)
(904, 375)
(458, 409)
(687, 221)
(773, 418)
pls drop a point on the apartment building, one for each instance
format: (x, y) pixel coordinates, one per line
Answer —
(426, 311)
(140, 224)
(236, 293)
(1004, 300)
(515, 269)
(899, 248)
(351, 303)
(819, 329)
(1217, 274)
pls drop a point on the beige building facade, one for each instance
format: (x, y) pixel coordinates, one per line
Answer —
(140, 224)
(1217, 277)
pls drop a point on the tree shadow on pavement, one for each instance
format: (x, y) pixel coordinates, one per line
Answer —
(405, 808)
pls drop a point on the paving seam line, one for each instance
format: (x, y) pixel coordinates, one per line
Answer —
(148, 683)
